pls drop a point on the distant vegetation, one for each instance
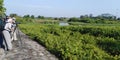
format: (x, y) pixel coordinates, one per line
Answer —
(101, 19)
(83, 19)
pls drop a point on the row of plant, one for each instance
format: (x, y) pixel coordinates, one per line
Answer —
(102, 31)
(75, 42)
(47, 21)
(93, 24)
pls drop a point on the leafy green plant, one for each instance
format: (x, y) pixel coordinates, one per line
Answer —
(77, 42)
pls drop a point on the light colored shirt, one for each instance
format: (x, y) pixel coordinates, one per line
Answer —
(8, 26)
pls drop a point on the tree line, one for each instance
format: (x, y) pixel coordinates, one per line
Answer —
(103, 18)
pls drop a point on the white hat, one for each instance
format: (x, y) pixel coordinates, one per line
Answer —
(14, 18)
(9, 20)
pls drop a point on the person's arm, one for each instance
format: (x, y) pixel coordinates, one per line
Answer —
(11, 27)
(8, 26)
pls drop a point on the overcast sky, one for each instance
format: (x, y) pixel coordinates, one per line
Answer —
(62, 8)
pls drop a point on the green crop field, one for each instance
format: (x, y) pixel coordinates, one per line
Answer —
(87, 42)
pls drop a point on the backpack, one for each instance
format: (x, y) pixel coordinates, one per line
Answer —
(2, 24)
(2, 21)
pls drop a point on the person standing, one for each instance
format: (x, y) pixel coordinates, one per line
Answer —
(7, 33)
(14, 34)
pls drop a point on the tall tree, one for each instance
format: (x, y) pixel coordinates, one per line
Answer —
(32, 16)
(26, 16)
(41, 17)
(2, 9)
(13, 15)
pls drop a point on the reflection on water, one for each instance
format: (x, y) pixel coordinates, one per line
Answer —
(63, 24)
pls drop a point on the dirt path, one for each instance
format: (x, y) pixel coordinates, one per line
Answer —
(30, 50)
